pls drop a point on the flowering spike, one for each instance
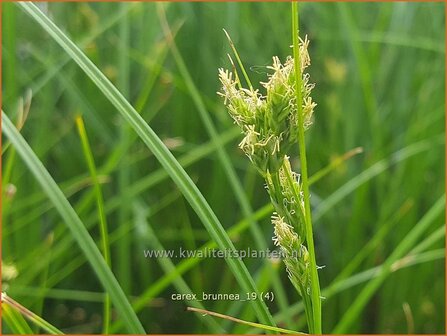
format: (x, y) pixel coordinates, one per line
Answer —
(269, 122)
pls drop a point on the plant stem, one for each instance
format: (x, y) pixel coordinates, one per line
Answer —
(316, 300)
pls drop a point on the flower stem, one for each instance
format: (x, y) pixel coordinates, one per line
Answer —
(315, 285)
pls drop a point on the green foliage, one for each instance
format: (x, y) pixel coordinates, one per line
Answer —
(380, 74)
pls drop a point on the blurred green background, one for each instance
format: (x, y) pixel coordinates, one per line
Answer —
(379, 73)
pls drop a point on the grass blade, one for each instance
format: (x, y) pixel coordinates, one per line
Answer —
(361, 277)
(376, 169)
(164, 156)
(15, 321)
(251, 324)
(101, 211)
(29, 315)
(75, 225)
(185, 265)
(405, 245)
(222, 155)
(149, 236)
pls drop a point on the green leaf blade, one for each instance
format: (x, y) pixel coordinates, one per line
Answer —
(164, 156)
(71, 219)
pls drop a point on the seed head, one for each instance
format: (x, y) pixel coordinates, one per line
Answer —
(289, 198)
(269, 122)
(296, 256)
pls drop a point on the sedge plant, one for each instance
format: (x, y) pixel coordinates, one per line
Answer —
(272, 123)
